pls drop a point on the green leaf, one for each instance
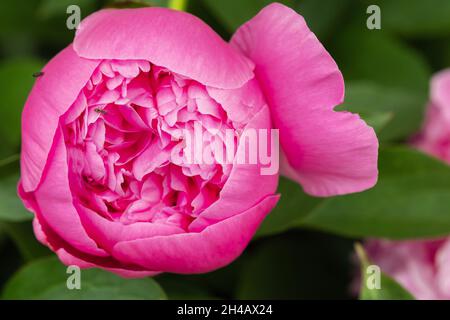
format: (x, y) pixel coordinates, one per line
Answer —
(297, 265)
(292, 206)
(47, 279)
(389, 288)
(11, 207)
(409, 201)
(395, 113)
(415, 17)
(375, 56)
(16, 80)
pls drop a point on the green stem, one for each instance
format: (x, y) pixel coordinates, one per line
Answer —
(9, 160)
(178, 4)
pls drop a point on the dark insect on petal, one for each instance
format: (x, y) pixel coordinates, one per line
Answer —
(38, 74)
(100, 111)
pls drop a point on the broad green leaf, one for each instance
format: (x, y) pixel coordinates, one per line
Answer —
(297, 265)
(396, 113)
(389, 288)
(415, 17)
(47, 279)
(16, 80)
(375, 56)
(292, 206)
(411, 200)
(11, 207)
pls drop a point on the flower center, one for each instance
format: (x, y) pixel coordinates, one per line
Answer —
(121, 133)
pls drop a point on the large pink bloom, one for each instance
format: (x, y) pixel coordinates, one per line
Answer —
(419, 266)
(100, 125)
(422, 266)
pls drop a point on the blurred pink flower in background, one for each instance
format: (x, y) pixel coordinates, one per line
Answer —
(100, 124)
(422, 266)
(435, 136)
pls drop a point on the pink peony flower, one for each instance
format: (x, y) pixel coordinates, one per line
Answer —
(101, 125)
(422, 266)
(435, 136)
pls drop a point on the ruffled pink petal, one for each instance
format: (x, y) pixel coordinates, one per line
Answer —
(53, 93)
(239, 192)
(327, 152)
(214, 247)
(240, 104)
(176, 40)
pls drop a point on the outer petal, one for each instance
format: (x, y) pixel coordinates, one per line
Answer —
(178, 41)
(328, 152)
(108, 233)
(53, 93)
(54, 203)
(69, 259)
(70, 256)
(214, 247)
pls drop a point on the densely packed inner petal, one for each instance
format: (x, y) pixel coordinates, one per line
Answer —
(121, 135)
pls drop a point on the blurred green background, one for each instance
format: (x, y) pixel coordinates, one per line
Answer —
(305, 248)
